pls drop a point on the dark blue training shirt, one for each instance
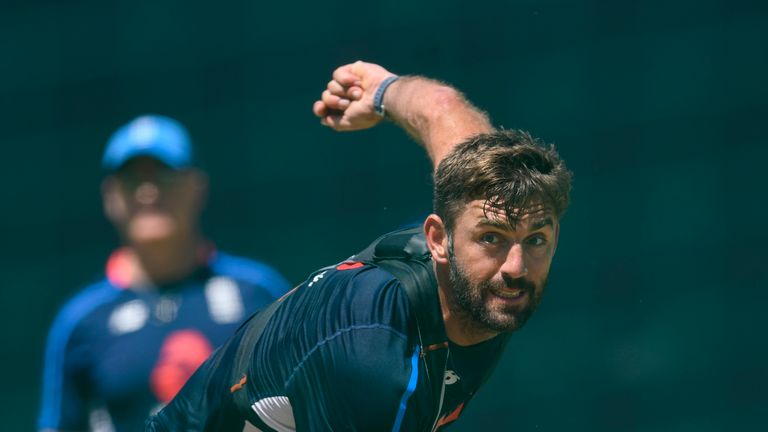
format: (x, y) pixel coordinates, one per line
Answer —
(340, 353)
(116, 353)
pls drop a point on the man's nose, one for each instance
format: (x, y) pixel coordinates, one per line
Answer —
(514, 264)
(147, 193)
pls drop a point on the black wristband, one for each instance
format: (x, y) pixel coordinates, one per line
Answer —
(378, 97)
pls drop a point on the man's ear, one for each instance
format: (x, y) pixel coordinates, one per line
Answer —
(112, 200)
(437, 238)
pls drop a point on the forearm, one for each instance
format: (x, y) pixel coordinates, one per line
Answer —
(434, 114)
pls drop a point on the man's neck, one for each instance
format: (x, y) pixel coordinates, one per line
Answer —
(164, 262)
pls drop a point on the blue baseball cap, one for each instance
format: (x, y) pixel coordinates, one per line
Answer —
(156, 136)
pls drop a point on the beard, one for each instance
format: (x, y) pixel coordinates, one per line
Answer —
(471, 300)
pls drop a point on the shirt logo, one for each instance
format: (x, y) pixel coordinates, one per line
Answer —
(183, 351)
(128, 317)
(317, 278)
(451, 377)
(225, 304)
(167, 308)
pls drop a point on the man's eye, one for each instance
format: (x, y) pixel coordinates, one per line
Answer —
(489, 238)
(537, 241)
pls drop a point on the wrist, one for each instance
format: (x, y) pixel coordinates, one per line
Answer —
(378, 97)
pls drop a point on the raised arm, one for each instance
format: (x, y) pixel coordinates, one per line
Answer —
(435, 114)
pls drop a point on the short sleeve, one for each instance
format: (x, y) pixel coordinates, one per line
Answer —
(64, 405)
(66, 363)
(356, 374)
(356, 380)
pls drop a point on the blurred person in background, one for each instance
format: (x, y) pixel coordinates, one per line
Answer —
(124, 346)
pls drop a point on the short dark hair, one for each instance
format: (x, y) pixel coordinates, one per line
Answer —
(509, 169)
